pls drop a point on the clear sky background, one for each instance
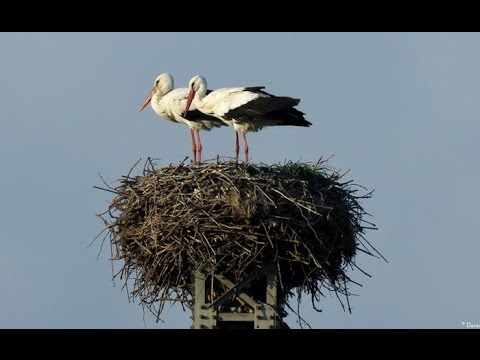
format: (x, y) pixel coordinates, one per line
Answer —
(401, 111)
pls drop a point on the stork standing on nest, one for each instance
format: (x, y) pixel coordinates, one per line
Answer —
(245, 108)
(170, 104)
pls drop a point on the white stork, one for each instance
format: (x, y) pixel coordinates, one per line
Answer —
(246, 108)
(170, 104)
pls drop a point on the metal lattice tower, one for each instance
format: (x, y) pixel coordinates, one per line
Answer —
(236, 306)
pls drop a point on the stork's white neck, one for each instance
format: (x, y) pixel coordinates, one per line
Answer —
(157, 104)
(200, 93)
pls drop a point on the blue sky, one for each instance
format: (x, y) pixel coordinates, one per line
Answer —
(401, 111)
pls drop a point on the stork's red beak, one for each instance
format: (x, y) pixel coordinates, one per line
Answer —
(191, 95)
(148, 98)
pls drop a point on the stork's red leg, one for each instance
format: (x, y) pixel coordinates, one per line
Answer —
(199, 147)
(194, 147)
(245, 145)
(237, 146)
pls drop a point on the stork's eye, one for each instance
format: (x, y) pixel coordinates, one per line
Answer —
(156, 82)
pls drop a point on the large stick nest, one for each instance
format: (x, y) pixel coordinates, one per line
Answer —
(231, 219)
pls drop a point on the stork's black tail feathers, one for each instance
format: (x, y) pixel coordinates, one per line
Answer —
(278, 109)
(289, 116)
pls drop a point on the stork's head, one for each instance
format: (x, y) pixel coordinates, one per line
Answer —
(197, 84)
(163, 84)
